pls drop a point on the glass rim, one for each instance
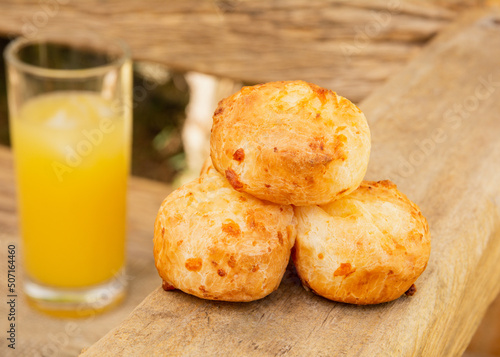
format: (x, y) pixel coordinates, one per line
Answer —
(13, 48)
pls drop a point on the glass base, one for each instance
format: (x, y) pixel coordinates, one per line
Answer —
(75, 302)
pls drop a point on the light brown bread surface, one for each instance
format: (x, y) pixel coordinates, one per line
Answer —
(366, 248)
(290, 143)
(219, 244)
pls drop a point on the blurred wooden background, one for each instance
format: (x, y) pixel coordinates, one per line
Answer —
(351, 46)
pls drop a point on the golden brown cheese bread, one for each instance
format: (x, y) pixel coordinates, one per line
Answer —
(367, 248)
(290, 143)
(207, 166)
(216, 243)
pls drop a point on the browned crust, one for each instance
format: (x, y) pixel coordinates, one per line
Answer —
(411, 291)
(390, 250)
(239, 155)
(216, 243)
(303, 144)
(233, 179)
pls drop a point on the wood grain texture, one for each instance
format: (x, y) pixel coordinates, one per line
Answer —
(351, 47)
(42, 335)
(435, 133)
(486, 340)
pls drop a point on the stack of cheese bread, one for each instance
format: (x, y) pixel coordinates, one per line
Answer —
(286, 179)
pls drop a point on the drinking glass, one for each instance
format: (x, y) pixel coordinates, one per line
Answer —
(70, 124)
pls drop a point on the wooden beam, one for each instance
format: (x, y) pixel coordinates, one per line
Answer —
(348, 46)
(435, 132)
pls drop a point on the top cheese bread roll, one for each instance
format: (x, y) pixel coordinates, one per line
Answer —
(290, 142)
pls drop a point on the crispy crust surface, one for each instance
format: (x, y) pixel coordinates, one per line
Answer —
(216, 243)
(290, 142)
(366, 248)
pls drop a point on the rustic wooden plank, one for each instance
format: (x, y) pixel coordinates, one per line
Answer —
(41, 335)
(486, 339)
(349, 46)
(452, 173)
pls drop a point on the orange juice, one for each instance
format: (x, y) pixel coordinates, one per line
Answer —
(72, 160)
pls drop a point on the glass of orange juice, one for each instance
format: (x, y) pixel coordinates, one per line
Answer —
(70, 124)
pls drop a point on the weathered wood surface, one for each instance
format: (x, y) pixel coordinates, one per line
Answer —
(349, 46)
(435, 131)
(486, 340)
(41, 335)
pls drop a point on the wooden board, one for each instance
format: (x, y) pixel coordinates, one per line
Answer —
(486, 340)
(435, 129)
(349, 46)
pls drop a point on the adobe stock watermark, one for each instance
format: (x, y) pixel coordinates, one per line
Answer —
(47, 9)
(58, 341)
(453, 119)
(74, 156)
(153, 75)
(380, 21)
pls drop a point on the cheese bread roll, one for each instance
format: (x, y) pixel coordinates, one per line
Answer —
(290, 143)
(368, 247)
(219, 244)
